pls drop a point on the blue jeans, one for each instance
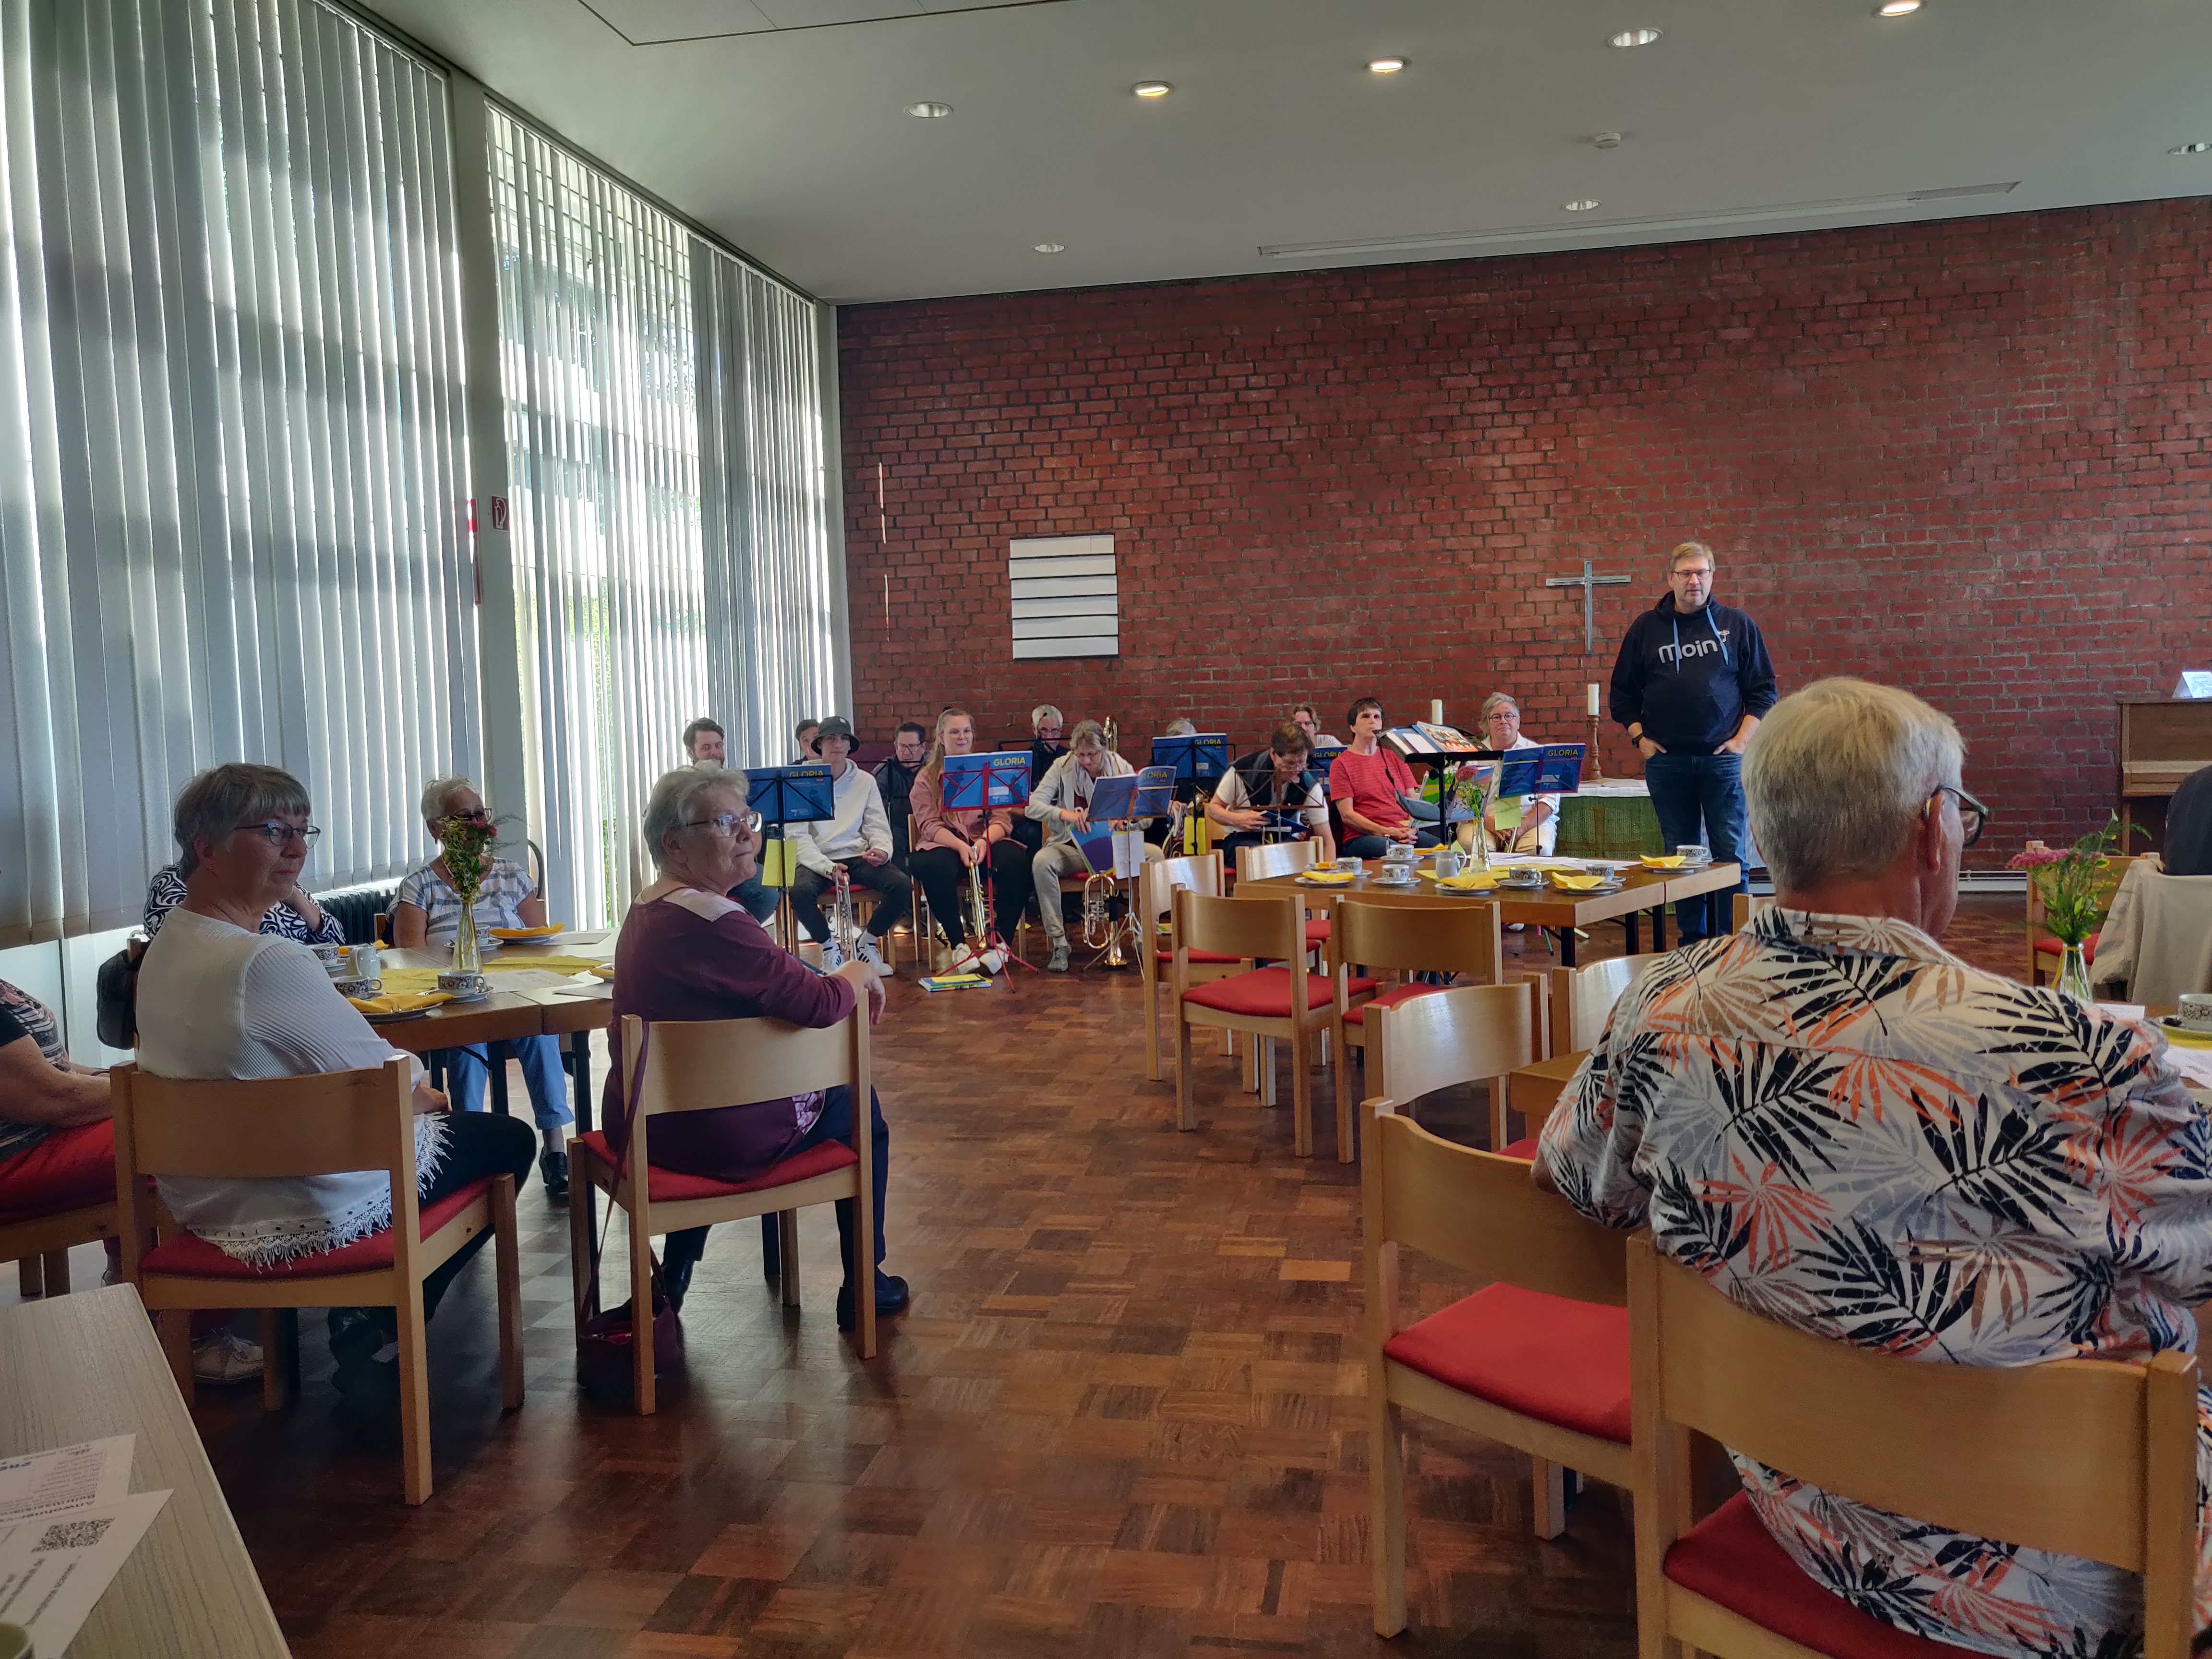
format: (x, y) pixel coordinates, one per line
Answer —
(466, 1069)
(834, 1122)
(759, 901)
(1376, 847)
(1699, 797)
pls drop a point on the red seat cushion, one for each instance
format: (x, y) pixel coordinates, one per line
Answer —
(1196, 956)
(1544, 1356)
(1523, 1149)
(2046, 945)
(189, 1255)
(672, 1187)
(1730, 1559)
(1316, 930)
(1389, 998)
(1264, 993)
(67, 1169)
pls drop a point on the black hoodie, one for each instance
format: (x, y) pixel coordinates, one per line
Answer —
(1691, 677)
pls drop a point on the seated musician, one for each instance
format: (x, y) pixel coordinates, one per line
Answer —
(859, 838)
(895, 782)
(1060, 802)
(804, 735)
(1514, 824)
(1045, 748)
(1167, 832)
(1265, 786)
(1369, 783)
(948, 845)
(1306, 718)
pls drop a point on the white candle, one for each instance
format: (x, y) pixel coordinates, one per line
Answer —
(1590, 692)
(1437, 710)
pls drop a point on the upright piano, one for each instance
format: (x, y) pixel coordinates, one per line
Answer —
(2162, 741)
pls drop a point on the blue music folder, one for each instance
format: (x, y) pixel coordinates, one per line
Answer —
(1149, 793)
(973, 783)
(1551, 768)
(1201, 758)
(791, 794)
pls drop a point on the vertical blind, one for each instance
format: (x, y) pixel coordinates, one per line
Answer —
(666, 469)
(231, 462)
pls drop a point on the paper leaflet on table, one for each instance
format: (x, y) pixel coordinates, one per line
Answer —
(54, 1568)
(67, 1477)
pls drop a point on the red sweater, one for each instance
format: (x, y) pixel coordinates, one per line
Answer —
(1370, 783)
(696, 956)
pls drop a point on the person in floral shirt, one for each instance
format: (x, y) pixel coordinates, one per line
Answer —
(1850, 1130)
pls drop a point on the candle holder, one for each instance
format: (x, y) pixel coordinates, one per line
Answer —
(1597, 762)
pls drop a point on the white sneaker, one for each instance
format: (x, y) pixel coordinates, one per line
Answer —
(990, 962)
(964, 961)
(832, 957)
(869, 953)
(224, 1355)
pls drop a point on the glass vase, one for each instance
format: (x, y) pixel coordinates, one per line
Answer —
(468, 958)
(2074, 975)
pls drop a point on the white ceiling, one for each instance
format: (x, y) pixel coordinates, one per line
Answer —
(781, 125)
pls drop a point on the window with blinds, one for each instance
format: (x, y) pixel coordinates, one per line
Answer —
(666, 465)
(232, 494)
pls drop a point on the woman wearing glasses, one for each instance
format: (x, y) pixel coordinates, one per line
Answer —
(427, 911)
(688, 952)
(294, 917)
(218, 998)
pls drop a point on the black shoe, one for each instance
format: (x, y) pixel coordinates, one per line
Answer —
(891, 1297)
(676, 1278)
(368, 1382)
(356, 1334)
(553, 1169)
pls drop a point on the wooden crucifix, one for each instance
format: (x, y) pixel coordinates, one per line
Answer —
(1589, 582)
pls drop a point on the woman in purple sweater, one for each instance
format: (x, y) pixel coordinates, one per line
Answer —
(688, 952)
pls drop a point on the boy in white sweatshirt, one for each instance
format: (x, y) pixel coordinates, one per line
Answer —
(859, 837)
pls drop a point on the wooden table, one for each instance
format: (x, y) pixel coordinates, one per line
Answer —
(1643, 890)
(504, 1016)
(82, 1366)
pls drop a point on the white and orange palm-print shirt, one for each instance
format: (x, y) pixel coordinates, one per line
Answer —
(1851, 1131)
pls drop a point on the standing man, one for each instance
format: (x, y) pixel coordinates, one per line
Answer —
(705, 744)
(1691, 684)
(894, 781)
(859, 837)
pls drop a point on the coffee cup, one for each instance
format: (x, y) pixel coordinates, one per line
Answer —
(14, 1643)
(463, 985)
(2196, 1010)
(332, 957)
(1348, 867)
(1694, 852)
(358, 988)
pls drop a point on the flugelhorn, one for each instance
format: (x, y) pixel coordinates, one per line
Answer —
(843, 929)
(979, 924)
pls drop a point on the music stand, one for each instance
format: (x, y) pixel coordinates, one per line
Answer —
(786, 795)
(987, 783)
(1200, 757)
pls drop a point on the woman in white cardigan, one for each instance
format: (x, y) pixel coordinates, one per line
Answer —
(217, 998)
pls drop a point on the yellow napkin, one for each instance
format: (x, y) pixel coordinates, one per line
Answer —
(399, 1002)
(546, 932)
(1653, 861)
(1326, 878)
(603, 970)
(1577, 883)
(1468, 881)
(401, 981)
(549, 964)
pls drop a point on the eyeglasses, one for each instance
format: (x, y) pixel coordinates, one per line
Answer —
(475, 815)
(1973, 817)
(728, 823)
(276, 832)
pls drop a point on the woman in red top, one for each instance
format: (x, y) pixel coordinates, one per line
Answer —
(1365, 783)
(948, 845)
(688, 952)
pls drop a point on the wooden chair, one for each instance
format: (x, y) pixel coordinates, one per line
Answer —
(1537, 1359)
(1466, 1034)
(1401, 938)
(1742, 908)
(925, 930)
(39, 1245)
(1158, 884)
(2045, 953)
(1286, 857)
(326, 1124)
(1262, 1002)
(2111, 1476)
(696, 1066)
(1583, 997)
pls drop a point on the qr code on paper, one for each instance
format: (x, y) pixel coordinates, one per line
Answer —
(73, 1535)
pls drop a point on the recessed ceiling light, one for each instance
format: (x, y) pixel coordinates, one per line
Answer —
(1152, 88)
(1385, 66)
(2196, 147)
(929, 112)
(1606, 140)
(1582, 205)
(1897, 7)
(1052, 247)
(1632, 38)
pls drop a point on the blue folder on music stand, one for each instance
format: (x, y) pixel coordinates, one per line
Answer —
(1552, 768)
(977, 783)
(1200, 758)
(791, 794)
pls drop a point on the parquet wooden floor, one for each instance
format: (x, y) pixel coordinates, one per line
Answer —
(1125, 1416)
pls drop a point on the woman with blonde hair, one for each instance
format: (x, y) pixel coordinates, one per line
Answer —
(947, 845)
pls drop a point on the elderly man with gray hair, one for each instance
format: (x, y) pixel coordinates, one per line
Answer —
(1841, 1125)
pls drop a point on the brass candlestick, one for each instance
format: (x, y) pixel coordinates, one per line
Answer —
(1596, 760)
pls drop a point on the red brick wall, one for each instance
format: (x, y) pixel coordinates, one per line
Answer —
(1966, 458)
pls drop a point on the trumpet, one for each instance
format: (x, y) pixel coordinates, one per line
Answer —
(1113, 737)
(843, 929)
(979, 920)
